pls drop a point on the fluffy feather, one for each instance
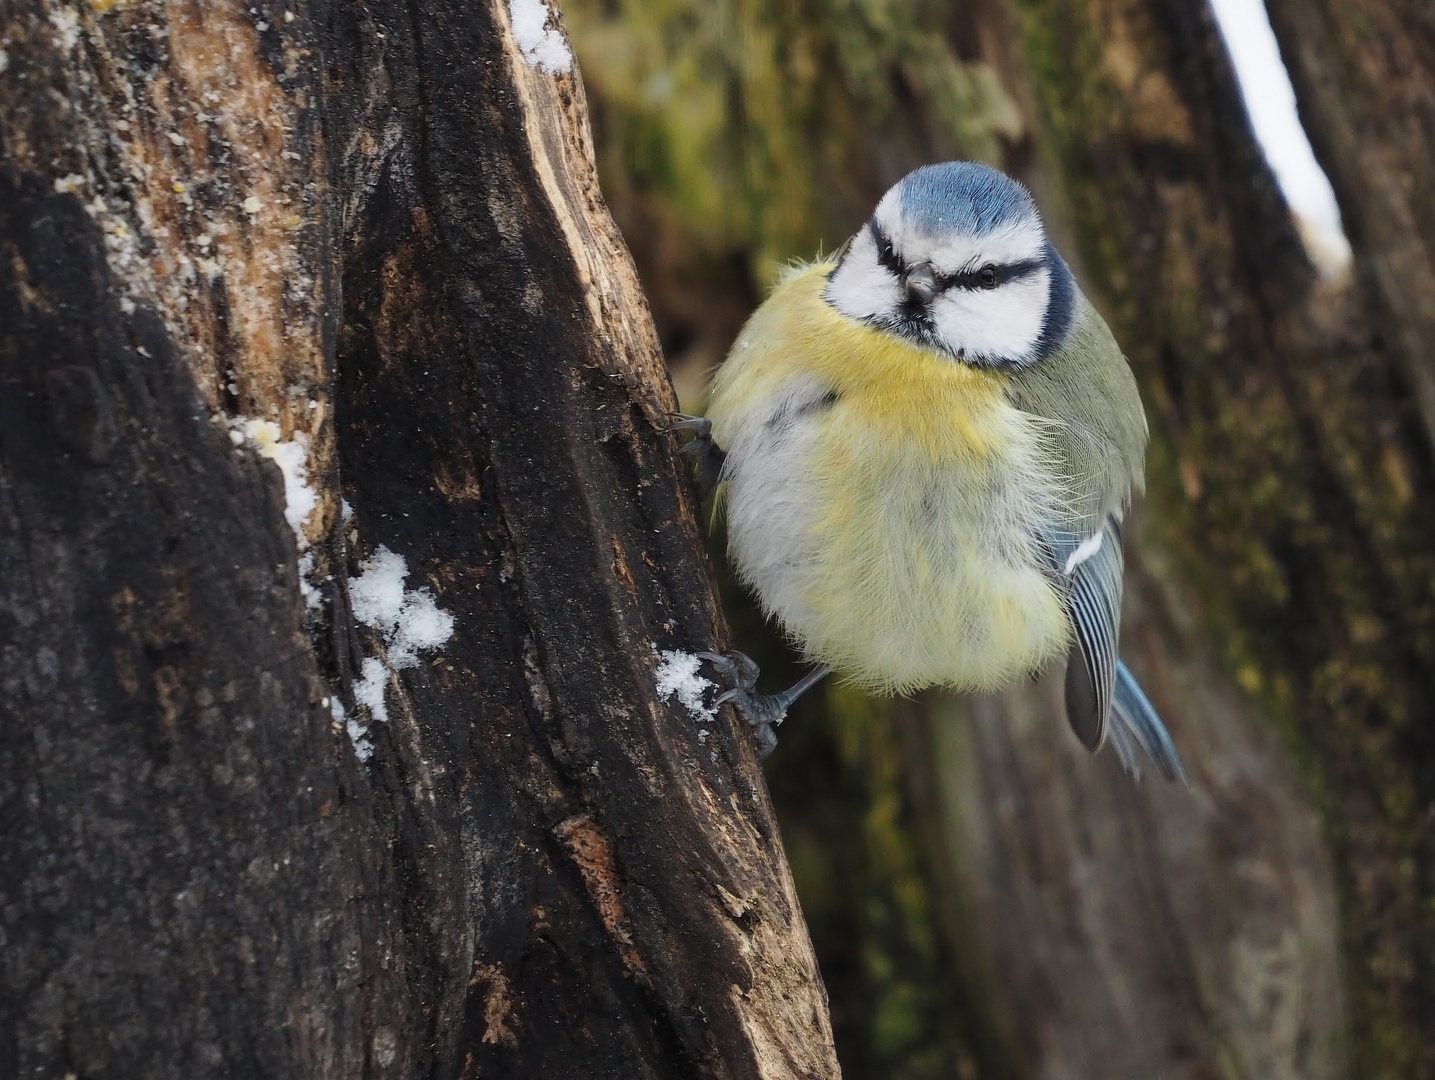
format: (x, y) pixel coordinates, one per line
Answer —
(885, 503)
(929, 447)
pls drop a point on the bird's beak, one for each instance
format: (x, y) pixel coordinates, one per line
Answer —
(920, 281)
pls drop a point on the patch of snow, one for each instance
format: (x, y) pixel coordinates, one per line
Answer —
(312, 596)
(66, 22)
(292, 457)
(358, 733)
(4, 61)
(369, 690)
(409, 619)
(678, 676)
(346, 512)
(542, 46)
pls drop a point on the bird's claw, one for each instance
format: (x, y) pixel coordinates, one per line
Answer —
(687, 422)
(762, 712)
(700, 447)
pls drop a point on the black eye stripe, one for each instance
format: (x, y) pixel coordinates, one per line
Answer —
(971, 279)
(1005, 273)
(886, 254)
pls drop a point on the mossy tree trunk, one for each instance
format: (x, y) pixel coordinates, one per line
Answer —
(1275, 920)
(1290, 513)
(264, 811)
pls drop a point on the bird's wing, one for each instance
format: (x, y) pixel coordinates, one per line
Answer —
(1090, 568)
(1102, 696)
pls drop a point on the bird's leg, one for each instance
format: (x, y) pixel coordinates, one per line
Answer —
(708, 454)
(762, 711)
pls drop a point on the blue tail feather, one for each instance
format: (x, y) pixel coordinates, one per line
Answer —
(1136, 724)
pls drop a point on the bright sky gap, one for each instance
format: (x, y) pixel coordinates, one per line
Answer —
(1270, 101)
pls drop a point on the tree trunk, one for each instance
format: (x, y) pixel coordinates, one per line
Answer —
(1274, 921)
(1364, 74)
(294, 302)
(1124, 932)
(1291, 467)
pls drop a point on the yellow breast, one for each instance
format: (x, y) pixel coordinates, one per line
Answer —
(944, 407)
(882, 501)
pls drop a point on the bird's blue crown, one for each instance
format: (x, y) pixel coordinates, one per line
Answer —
(963, 196)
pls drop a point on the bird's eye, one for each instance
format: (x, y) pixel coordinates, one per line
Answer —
(987, 275)
(886, 253)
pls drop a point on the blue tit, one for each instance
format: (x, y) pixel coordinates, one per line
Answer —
(927, 446)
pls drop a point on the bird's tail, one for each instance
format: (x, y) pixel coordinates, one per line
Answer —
(1136, 724)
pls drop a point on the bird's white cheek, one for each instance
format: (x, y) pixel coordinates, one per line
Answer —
(1002, 323)
(861, 288)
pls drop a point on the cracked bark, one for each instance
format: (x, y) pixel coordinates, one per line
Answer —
(378, 229)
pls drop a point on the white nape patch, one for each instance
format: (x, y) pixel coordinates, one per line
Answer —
(369, 690)
(678, 676)
(542, 46)
(409, 619)
(1088, 548)
(292, 457)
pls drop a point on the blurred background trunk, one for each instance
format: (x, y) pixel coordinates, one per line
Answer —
(985, 900)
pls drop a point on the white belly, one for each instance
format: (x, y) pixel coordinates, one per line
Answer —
(900, 566)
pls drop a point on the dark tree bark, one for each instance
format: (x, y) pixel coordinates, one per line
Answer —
(1365, 77)
(376, 229)
(1364, 74)
(1286, 536)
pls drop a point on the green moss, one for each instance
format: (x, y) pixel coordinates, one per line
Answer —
(838, 786)
(1281, 485)
(746, 125)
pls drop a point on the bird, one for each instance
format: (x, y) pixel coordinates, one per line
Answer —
(924, 448)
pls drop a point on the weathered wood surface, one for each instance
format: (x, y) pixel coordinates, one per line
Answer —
(378, 229)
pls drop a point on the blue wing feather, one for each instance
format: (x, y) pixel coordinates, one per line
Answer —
(1094, 603)
(1103, 698)
(1136, 719)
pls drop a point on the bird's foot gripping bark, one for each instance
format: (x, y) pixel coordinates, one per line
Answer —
(763, 712)
(702, 449)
